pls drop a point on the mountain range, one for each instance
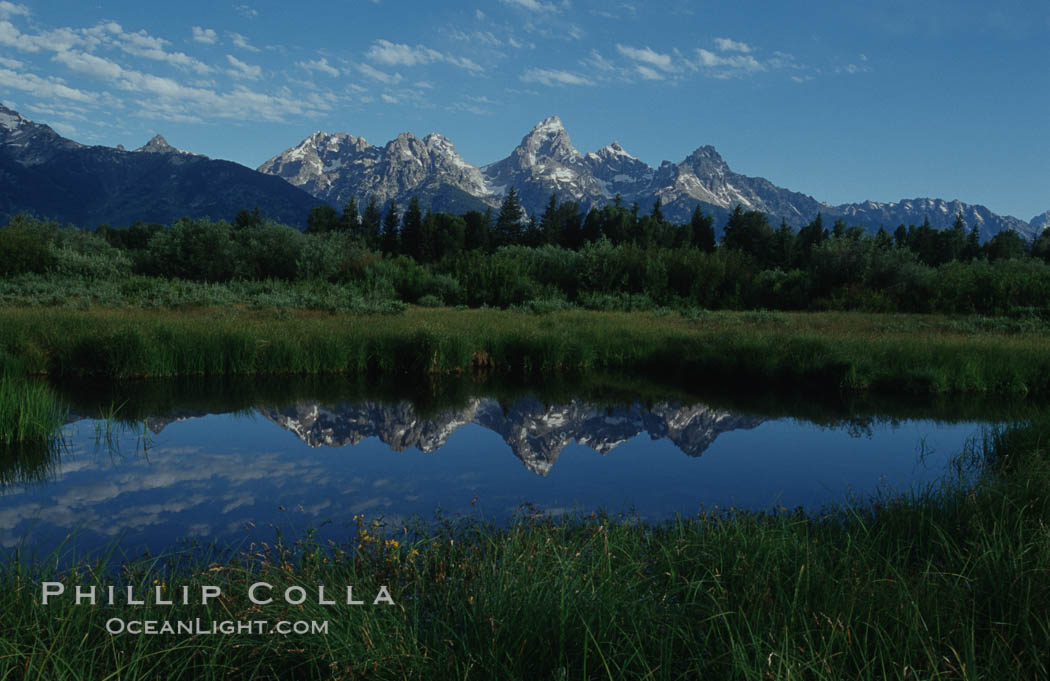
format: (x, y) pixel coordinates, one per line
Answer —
(535, 432)
(54, 177)
(336, 167)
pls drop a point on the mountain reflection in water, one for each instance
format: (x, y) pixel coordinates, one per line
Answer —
(536, 433)
(220, 469)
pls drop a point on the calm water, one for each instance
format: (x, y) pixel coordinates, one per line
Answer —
(201, 474)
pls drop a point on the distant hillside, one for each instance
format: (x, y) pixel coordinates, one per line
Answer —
(53, 177)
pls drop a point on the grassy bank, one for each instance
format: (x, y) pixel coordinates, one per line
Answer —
(947, 584)
(30, 416)
(846, 352)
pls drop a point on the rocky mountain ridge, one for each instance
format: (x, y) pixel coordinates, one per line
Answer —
(536, 432)
(336, 167)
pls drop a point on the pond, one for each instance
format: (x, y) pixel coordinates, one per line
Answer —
(240, 463)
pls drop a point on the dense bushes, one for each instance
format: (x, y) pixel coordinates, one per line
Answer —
(814, 270)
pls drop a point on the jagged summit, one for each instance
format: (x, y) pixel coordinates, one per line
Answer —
(614, 150)
(550, 124)
(1040, 222)
(11, 120)
(157, 145)
(335, 167)
(535, 432)
(548, 139)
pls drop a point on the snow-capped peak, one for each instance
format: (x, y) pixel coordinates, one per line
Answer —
(548, 126)
(613, 150)
(11, 120)
(547, 140)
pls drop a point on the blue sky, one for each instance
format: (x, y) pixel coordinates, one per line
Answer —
(843, 100)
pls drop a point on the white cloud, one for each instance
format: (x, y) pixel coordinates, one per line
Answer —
(11, 63)
(321, 65)
(477, 37)
(648, 56)
(398, 54)
(730, 45)
(12, 37)
(242, 70)
(241, 41)
(596, 61)
(853, 69)
(246, 11)
(44, 88)
(389, 99)
(8, 9)
(376, 74)
(532, 5)
(141, 44)
(89, 64)
(648, 73)
(205, 35)
(464, 63)
(726, 66)
(553, 77)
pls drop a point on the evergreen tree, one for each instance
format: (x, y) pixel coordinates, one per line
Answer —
(749, 231)
(953, 241)
(702, 230)
(550, 228)
(569, 221)
(900, 236)
(390, 238)
(532, 236)
(371, 223)
(412, 230)
(1041, 246)
(508, 223)
(972, 250)
(478, 230)
(443, 236)
(783, 246)
(1005, 245)
(245, 219)
(883, 240)
(591, 230)
(322, 219)
(657, 214)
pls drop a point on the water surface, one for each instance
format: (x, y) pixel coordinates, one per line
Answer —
(237, 469)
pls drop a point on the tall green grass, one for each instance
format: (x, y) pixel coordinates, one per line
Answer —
(30, 418)
(844, 352)
(946, 583)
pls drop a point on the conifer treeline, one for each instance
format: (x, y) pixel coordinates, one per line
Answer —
(609, 258)
(429, 237)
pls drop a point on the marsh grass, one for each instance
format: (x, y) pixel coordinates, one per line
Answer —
(833, 352)
(949, 582)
